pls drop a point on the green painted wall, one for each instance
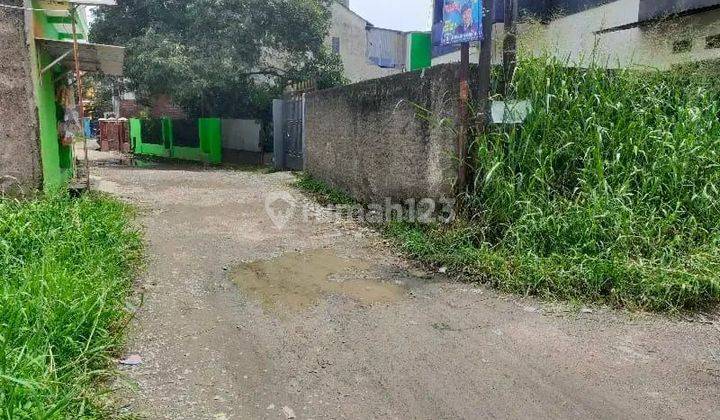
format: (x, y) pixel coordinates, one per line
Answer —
(57, 160)
(150, 149)
(135, 137)
(188, 153)
(209, 132)
(420, 50)
(44, 25)
(211, 139)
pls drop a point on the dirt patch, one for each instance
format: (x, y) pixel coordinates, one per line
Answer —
(298, 280)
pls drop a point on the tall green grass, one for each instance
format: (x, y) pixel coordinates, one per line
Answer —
(66, 267)
(608, 192)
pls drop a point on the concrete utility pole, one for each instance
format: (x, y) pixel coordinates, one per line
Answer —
(485, 64)
(463, 109)
(486, 47)
(78, 81)
(510, 44)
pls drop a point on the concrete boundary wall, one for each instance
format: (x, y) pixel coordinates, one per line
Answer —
(19, 146)
(243, 135)
(385, 138)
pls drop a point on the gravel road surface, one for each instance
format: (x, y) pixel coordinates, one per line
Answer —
(322, 319)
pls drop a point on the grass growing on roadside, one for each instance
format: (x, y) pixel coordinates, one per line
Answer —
(66, 266)
(608, 193)
(321, 191)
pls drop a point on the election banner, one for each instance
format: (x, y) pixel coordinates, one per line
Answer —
(462, 21)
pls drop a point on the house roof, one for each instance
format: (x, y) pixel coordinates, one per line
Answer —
(650, 19)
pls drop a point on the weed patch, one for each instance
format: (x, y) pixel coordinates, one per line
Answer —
(321, 191)
(66, 266)
(608, 193)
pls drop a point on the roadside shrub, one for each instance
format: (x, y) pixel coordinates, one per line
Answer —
(66, 266)
(608, 192)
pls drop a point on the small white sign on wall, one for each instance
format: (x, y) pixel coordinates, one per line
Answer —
(510, 112)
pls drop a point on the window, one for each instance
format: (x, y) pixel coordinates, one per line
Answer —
(712, 42)
(682, 46)
(336, 44)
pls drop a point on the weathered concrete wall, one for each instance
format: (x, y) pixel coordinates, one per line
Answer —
(241, 141)
(19, 147)
(371, 140)
(242, 135)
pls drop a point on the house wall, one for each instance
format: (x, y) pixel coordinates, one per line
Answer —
(56, 159)
(19, 148)
(419, 47)
(575, 37)
(372, 140)
(350, 28)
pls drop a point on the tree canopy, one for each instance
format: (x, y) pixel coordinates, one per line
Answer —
(220, 57)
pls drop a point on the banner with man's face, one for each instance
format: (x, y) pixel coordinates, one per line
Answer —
(462, 21)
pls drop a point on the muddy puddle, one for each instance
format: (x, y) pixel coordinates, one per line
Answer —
(296, 281)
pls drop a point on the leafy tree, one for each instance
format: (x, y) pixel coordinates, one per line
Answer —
(221, 57)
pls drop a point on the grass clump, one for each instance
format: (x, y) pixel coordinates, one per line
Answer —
(66, 266)
(321, 191)
(608, 192)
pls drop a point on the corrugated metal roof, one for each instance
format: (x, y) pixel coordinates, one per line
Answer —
(653, 9)
(96, 58)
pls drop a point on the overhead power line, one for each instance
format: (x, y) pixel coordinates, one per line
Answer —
(10, 6)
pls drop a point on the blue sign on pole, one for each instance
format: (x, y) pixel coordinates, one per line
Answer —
(462, 21)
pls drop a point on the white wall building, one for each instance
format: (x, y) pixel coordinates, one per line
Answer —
(367, 52)
(621, 33)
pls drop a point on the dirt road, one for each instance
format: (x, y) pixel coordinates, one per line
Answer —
(322, 320)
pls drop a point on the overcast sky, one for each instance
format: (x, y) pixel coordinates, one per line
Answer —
(404, 15)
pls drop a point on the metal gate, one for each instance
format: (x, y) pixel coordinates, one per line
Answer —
(289, 127)
(292, 133)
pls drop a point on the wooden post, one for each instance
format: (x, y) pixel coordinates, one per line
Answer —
(78, 81)
(509, 44)
(463, 109)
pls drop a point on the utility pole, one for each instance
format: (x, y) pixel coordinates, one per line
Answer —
(510, 44)
(463, 109)
(79, 85)
(486, 46)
